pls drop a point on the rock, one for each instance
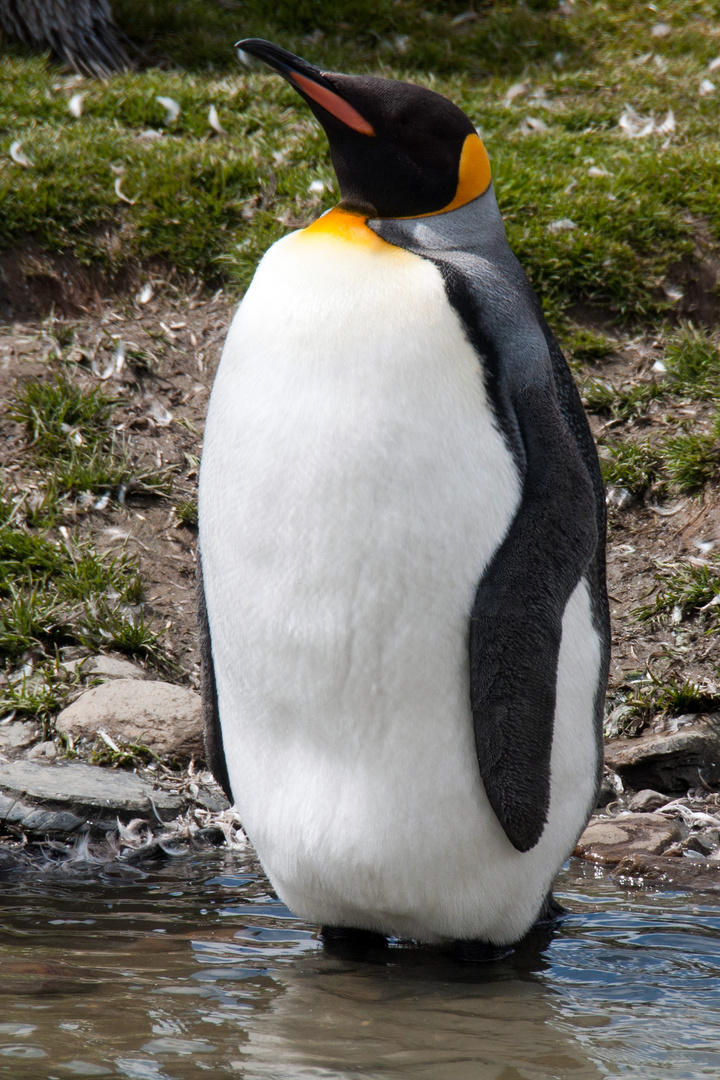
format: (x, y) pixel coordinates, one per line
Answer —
(669, 761)
(702, 842)
(112, 667)
(610, 789)
(609, 840)
(18, 735)
(647, 800)
(164, 717)
(212, 798)
(61, 798)
(44, 751)
(9, 861)
(699, 873)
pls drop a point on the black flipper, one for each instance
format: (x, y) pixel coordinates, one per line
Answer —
(214, 750)
(516, 622)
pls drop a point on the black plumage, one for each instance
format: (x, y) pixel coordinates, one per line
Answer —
(80, 33)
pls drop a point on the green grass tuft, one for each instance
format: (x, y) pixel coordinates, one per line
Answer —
(635, 467)
(683, 463)
(691, 461)
(588, 346)
(187, 513)
(693, 362)
(55, 593)
(686, 591)
(60, 418)
(72, 441)
(648, 698)
(621, 402)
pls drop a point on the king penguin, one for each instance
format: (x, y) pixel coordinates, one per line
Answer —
(403, 614)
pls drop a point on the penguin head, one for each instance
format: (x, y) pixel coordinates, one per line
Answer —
(398, 150)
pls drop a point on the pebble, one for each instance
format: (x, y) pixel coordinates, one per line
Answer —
(164, 717)
(17, 735)
(42, 751)
(647, 800)
(112, 667)
(610, 788)
(610, 840)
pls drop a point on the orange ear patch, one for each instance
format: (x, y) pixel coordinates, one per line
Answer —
(473, 175)
(332, 103)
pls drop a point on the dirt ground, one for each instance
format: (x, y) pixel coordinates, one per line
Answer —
(179, 327)
(162, 401)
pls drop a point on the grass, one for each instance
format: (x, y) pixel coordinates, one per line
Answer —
(692, 370)
(211, 204)
(687, 591)
(693, 363)
(684, 461)
(62, 592)
(60, 417)
(678, 463)
(57, 589)
(56, 593)
(644, 699)
(71, 439)
(187, 513)
(585, 346)
(632, 466)
(622, 403)
(121, 755)
(424, 36)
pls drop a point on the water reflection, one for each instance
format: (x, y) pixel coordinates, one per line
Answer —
(193, 966)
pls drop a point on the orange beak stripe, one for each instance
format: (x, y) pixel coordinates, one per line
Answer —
(333, 104)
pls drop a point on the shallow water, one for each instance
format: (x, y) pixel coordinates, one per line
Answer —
(193, 967)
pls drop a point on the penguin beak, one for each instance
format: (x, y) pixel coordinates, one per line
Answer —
(310, 83)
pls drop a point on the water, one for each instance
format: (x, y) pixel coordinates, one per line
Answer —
(193, 968)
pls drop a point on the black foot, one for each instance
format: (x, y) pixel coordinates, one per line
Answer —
(480, 952)
(347, 940)
(550, 914)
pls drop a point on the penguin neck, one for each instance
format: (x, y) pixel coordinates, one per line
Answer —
(475, 226)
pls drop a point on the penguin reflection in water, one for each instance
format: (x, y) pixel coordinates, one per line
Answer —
(403, 614)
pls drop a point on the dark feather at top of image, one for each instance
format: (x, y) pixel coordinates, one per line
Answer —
(80, 33)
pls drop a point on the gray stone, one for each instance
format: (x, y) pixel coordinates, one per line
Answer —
(669, 761)
(17, 735)
(8, 860)
(610, 789)
(647, 800)
(609, 840)
(86, 792)
(43, 751)
(112, 667)
(164, 717)
(37, 819)
(704, 842)
(212, 799)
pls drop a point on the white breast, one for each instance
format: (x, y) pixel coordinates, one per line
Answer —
(354, 485)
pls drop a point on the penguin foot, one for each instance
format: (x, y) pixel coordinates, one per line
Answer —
(347, 940)
(480, 952)
(550, 914)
